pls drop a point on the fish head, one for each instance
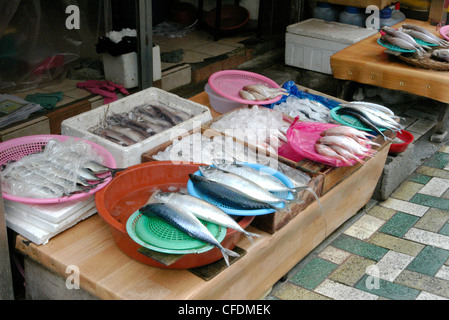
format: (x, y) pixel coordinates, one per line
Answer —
(162, 196)
(207, 171)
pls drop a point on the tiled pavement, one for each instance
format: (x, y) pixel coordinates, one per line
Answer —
(397, 249)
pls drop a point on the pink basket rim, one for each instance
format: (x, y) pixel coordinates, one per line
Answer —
(444, 31)
(234, 96)
(108, 161)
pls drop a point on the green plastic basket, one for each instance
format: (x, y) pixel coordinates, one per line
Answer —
(392, 47)
(350, 121)
(155, 234)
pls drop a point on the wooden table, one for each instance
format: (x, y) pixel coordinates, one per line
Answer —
(106, 272)
(366, 62)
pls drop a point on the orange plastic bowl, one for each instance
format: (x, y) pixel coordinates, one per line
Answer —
(132, 188)
(405, 136)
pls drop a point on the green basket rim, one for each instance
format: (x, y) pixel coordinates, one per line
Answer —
(185, 245)
(350, 121)
(393, 47)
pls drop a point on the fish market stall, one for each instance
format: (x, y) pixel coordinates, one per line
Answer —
(369, 62)
(111, 266)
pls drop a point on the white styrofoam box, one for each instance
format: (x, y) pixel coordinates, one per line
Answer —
(123, 69)
(311, 43)
(40, 236)
(79, 125)
(49, 217)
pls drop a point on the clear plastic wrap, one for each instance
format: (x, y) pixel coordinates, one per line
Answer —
(36, 47)
(61, 169)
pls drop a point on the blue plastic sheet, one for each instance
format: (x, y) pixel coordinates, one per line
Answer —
(292, 89)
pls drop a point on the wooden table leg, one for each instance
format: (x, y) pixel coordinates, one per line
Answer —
(440, 130)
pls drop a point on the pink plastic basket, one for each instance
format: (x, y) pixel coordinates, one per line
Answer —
(444, 32)
(228, 83)
(302, 137)
(16, 149)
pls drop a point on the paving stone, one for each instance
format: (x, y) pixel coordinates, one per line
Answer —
(351, 270)
(387, 241)
(433, 220)
(445, 230)
(340, 291)
(289, 291)
(419, 178)
(433, 172)
(444, 149)
(390, 266)
(359, 247)
(406, 190)
(443, 273)
(334, 255)
(399, 224)
(421, 126)
(405, 206)
(429, 260)
(387, 289)
(429, 296)
(364, 227)
(428, 238)
(430, 201)
(435, 187)
(423, 282)
(381, 212)
(438, 160)
(313, 273)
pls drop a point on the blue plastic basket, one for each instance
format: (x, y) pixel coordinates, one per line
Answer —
(229, 210)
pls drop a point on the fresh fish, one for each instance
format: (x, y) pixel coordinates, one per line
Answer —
(132, 134)
(164, 114)
(441, 54)
(417, 32)
(378, 116)
(399, 34)
(262, 92)
(241, 184)
(364, 120)
(346, 143)
(360, 136)
(246, 95)
(327, 151)
(119, 119)
(115, 136)
(263, 179)
(202, 210)
(401, 43)
(372, 106)
(347, 154)
(187, 223)
(228, 196)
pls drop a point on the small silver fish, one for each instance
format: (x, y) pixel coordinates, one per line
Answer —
(441, 55)
(262, 92)
(399, 42)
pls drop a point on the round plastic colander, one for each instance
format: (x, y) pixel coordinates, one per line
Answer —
(232, 211)
(349, 120)
(155, 234)
(16, 149)
(228, 83)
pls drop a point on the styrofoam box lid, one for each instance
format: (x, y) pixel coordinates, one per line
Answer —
(332, 31)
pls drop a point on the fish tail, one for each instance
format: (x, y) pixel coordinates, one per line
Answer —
(316, 197)
(250, 235)
(228, 253)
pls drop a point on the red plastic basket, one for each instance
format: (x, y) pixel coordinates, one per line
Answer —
(228, 83)
(16, 149)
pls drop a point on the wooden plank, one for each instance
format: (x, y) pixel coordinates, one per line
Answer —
(366, 62)
(60, 114)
